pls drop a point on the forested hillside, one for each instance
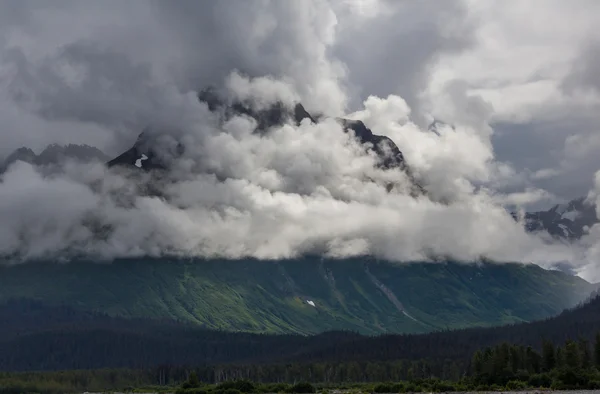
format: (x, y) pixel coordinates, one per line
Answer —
(38, 337)
(304, 296)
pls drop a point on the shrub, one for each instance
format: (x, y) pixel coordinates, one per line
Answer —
(593, 385)
(192, 382)
(228, 390)
(243, 386)
(443, 387)
(195, 390)
(514, 385)
(413, 388)
(540, 380)
(302, 388)
(275, 388)
(383, 388)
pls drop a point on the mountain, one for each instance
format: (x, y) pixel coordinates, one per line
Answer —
(568, 221)
(54, 154)
(305, 296)
(150, 152)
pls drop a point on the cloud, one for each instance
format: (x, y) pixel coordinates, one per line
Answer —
(121, 50)
(589, 267)
(583, 76)
(390, 47)
(294, 190)
(309, 188)
(530, 61)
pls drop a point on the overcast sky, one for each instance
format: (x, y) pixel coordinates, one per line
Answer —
(516, 79)
(534, 63)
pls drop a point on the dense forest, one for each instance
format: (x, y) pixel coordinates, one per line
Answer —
(37, 337)
(98, 352)
(574, 365)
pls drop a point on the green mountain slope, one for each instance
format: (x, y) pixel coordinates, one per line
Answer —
(276, 297)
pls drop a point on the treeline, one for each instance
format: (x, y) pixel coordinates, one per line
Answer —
(575, 365)
(36, 337)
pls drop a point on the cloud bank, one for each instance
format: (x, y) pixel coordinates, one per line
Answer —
(297, 189)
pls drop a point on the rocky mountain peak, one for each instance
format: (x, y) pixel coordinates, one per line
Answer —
(565, 221)
(144, 156)
(54, 154)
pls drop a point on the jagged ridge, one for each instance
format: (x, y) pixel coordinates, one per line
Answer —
(566, 221)
(144, 155)
(54, 154)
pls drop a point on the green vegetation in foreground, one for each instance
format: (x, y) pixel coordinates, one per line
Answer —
(272, 297)
(574, 366)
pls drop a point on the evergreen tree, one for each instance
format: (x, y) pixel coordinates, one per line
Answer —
(548, 356)
(532, 360)
(560, 358)
(477, 363)
(584, 353)
(597, 350)
(571, 354)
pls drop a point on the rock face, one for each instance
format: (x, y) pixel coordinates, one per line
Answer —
(143, 155)
(53, 155)
(22, 154)
(565, 221)
(384, 147)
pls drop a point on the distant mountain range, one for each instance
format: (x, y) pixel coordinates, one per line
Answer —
(53, 155)
(568, 221)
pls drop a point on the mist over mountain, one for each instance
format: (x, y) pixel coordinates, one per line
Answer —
(260, 177)
(54, 155)
(359, 175)
(149, 153)
(570, 221)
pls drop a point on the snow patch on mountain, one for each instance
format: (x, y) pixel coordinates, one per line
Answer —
(138, 162)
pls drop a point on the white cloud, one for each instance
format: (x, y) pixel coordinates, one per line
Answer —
(394, 64)
(532, 62)
(292, 191)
